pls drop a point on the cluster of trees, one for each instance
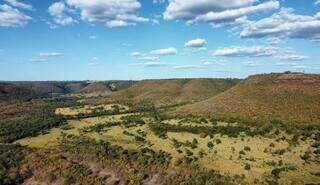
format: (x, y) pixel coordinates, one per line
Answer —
(177, 144)
(31, 124)
(161, 129)
(132, 120)
(105, 150)
(10, 158)
(99, 127)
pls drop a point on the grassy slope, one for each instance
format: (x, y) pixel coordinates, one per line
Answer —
(267, 96)
(175, 91)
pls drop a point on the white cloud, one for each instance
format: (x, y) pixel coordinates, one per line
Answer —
(187, 67)
(292, 57)
(155, 64)
(251, 64)
(152, 64)
(148, 58)
(196, 43)
(51, 54)
(211, 63)
(59, 11)
(111, 13)
(158, 1)
(291, 65)
(11, 17)
(165, 51)
(137, 54)
(38, 60)
(233, 14)
(214, 11)
(94, 61)
(245, 51)
(260, 51)
(274, 40)
(285, 24)
(18, 4)
(317, 2)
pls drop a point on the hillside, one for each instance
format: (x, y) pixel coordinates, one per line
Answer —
(292, 96)
(175, 91)
(10, 92)
(95, 87)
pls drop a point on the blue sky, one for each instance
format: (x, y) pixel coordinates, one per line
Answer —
(131, 39)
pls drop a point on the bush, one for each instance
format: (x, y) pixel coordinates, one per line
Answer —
(218, 141)
(188, 152)
(247, 148)
(247, 166)
(210, 144)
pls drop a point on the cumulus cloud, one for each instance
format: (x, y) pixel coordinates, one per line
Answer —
(285, 24)
(59, 11)
(232, 15)
(245, 51)
(260, 51)
(12, 17)
(317, 2)
(111, 13)
(51, 54)
(214, 11)
(165, 51)
(196, 43)
(18, 4)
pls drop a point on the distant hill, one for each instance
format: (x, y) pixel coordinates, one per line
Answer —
(9, 92)
(175, 91)
(95, 87)
(45, 88)
(288, 96)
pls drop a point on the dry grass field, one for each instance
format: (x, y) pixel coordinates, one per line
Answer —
(253, 157)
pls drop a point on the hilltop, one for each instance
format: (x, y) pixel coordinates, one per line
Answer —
(175, 91)
(287, 96)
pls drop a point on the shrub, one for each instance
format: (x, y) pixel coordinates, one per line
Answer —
(247, 148)
(210, 144)
(218, 141)
(279, 151)
(194, 143)
(306, 156)
(188, 152)
(247, 166)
